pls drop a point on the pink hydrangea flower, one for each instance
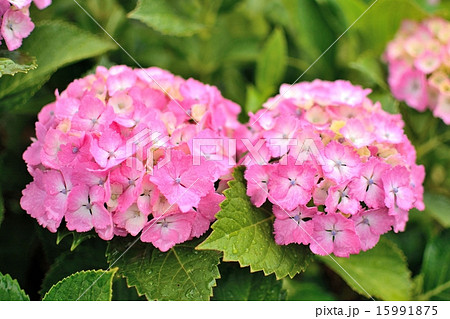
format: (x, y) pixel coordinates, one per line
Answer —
(257, 177)
(333, 233)
(42, 4)
(181, 182)
(85, 209)
(15, 26)
(115, 154)
(33, 201)
(20, 4)
(15, 21)
(397, 187)
(368, 187)
(370, 224)
(417, 55)
(339, 198)
(165, 232)
(294, 226)
(341, 162)
(291, 185)
(347, 172)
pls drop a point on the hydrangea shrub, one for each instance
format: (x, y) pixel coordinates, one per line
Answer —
(115, 153)
(419, 62)
(338, 170)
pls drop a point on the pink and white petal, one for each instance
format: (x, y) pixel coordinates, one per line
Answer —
(79, 220)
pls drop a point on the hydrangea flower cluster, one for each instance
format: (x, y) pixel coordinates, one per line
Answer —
(419, 64)
(338, 169)
(15, 20)
(115, 153)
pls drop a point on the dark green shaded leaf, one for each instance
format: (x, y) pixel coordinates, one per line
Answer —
(436, 269)
(238, 284)
(121, 291)
(438, 206)
(182, 273)
(304, 291)
(311, 32)
(10, 289)
(55, 44)
(84, 258)
(2, 207)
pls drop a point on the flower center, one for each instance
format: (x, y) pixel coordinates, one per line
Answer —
(365, 220)
(164, 223)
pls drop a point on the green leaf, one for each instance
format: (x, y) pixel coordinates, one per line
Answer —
(121, 291)
(55, 44)
(254, 100)
(351, 9)
(244, 233)
(182, 273)
(380, 23)
(12, 62)
(2, 207)
(238, 284)
(271, 63)
(370, 67)
(436, 270)
(381, 271)
(305, 291)
(10, 289)
(437, 206)
(388, 102)
(86, 257)
(91, 285)
(162, 16)
(312, 33)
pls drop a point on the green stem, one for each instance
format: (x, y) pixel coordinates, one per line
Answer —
(435, 291)
(432, 144)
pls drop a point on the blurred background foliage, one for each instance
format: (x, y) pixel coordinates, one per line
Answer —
(247, 49)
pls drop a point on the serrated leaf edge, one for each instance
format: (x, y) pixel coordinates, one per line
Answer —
(252, 268)
(112, 270)
(14, 281)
